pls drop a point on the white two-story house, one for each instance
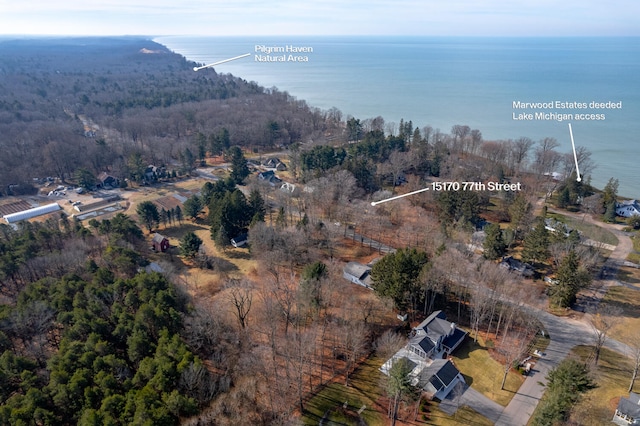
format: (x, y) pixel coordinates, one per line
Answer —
(427, 351)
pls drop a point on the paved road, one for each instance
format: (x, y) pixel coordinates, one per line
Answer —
(565, 333)
(472, 398)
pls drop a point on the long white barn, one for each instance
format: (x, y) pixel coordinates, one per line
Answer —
(34, 212)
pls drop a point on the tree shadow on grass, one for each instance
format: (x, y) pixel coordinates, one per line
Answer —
(627, 275)
(223, 265)
(238, 254)
(468, 346)
(626, 299)
(178, 231)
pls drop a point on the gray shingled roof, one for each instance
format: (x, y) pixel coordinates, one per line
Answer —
(435, 326)
(157, 238)
(440, 373)
(356, 269)
(428, 320)
(629, 406)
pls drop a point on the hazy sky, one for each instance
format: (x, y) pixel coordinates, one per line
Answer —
(323, 17)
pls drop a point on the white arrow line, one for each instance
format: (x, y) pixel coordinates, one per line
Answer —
(575, 155)
(373, 203)
(221, 62)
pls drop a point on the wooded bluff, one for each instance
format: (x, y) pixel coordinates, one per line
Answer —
(91, 103)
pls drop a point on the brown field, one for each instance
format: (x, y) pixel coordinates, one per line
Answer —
(12, 206)
(160, 194)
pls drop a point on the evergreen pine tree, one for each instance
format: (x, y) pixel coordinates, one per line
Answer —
(222, 237)
(536, 244)
(494, 245)
(164, 217)
(193, 206)
(563, 293)
(190, 244)
(302, 223)
(610, 193)
(281, 219)
(148, 214)
(256, 204)
(610, 212)
(239, 168)
(564, 198)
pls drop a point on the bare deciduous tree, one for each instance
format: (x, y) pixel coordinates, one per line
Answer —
(602, 320)
(521, 148)
(354, 342)
(479, 307)
(388, 344)
(395, 165)
(241, 296)
(514, 345)
(547, 159)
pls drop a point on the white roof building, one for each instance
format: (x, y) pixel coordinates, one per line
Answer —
(628, 208)
(31, 213)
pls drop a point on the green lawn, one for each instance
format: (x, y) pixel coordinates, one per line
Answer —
(364, 389)
(464, 416)
(589, 230)
(483, 373)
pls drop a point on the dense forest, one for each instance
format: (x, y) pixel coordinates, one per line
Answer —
(98, 104)
(87, 339)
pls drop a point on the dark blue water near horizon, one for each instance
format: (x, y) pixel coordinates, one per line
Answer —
(443, 81)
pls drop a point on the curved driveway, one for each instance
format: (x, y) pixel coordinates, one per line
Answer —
(565, 333)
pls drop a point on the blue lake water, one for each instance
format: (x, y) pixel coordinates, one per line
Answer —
(443, 81)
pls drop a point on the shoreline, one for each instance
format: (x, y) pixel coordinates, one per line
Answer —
(329, 79)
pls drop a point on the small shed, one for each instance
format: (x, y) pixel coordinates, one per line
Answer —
(160, 243)
(239, 241)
